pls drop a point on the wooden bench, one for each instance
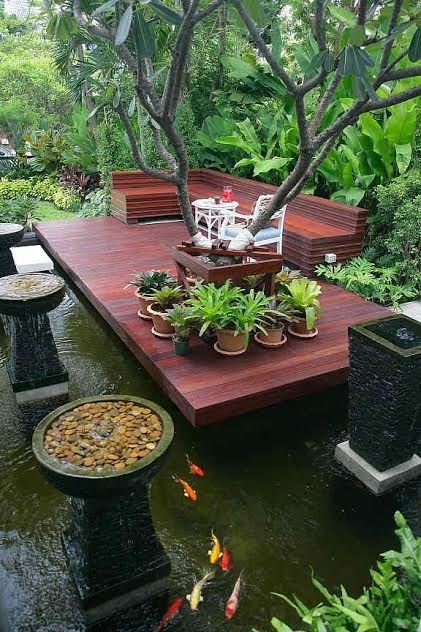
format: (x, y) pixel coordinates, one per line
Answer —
(314, 226)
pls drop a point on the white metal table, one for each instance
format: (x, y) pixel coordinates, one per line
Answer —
(211, 214)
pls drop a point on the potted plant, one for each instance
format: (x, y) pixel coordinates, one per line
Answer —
(274, 336)
(301, 294)
(232, 313)
(181, 319)
(163, 300)
(146, 283)
(284, 278)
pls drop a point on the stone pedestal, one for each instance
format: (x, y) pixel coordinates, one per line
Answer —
(111, 545)
(384, 401)
(35, 369)
(10, 235)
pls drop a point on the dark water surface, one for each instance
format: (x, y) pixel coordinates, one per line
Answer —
(272, 489)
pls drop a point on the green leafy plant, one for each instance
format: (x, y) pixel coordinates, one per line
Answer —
(282, 312)
(181, 319)
(301, 294)
(229, 307)
(167, 296)
(151, 280)
(21, 210)
(363, 277)
(391, 603)
(96, 203)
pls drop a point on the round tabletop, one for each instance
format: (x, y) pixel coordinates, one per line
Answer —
(210, 204)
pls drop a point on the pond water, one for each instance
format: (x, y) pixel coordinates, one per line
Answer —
(272, 490)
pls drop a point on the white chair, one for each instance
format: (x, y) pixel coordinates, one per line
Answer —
(269, 235)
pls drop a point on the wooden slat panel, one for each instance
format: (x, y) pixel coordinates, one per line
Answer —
(204, 385)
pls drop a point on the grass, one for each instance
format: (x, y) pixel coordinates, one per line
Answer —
(47, 212)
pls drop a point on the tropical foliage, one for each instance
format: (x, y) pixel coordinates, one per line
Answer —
(380, 284)
(43, 189)
(390, 604)
(376, 149)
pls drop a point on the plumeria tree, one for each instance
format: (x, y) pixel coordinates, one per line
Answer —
(374, 44)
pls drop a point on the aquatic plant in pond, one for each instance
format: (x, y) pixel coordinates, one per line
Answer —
(391, 603)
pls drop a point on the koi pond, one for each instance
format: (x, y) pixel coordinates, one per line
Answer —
(272, 491)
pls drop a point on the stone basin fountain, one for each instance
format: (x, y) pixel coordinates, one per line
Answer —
(384, 403)
(10, 235)
(111, 546)
(34, 366)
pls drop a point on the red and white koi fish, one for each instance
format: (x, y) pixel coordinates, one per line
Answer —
(173, 609)
(226, 560)
(232, 603)
(194, 469)
(189, 492)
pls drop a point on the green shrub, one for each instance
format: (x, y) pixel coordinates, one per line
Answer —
(392, 603)
(20, 210)
(96, 203)
(391, 197)
(383, 285)
(46, 189)
(404, 241)
(113, 150)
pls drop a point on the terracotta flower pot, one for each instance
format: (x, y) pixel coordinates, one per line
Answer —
(300, 327)
(144, 302)
(273, 336)
(227, 341)
(160, 323)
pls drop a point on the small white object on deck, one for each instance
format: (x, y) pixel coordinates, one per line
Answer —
(31, 259)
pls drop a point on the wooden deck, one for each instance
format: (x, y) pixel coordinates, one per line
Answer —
(100, 254)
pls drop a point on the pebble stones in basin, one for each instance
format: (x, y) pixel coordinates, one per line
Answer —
(104, 435)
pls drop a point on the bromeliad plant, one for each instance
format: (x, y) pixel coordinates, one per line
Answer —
(151, 280)
(301, 294)
(147, 283)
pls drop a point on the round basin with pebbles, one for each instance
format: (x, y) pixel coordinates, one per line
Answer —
(102, 445)
(36, 292)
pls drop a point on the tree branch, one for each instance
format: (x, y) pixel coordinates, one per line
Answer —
(362, 10)
(174, 82)
(212, 6)
(402, 73)
(394, 99)
(324, 103)
(163, 152)
(397, 5)
(263, 49)
(319, 28)
(156, 173)
(316, 162)
(105, 33)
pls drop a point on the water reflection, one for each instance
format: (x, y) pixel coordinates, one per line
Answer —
(272, 489)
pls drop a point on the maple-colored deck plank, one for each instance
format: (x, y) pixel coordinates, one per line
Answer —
(100, 254)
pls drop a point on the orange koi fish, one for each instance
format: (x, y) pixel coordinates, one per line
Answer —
(194, 469)
(173, 609)
(226, 560)
(232, 603)
(189, 492)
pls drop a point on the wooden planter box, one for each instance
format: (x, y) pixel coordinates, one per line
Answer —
(254, 261)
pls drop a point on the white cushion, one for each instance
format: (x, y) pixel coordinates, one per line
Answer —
(31, 259)
(262, 235)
